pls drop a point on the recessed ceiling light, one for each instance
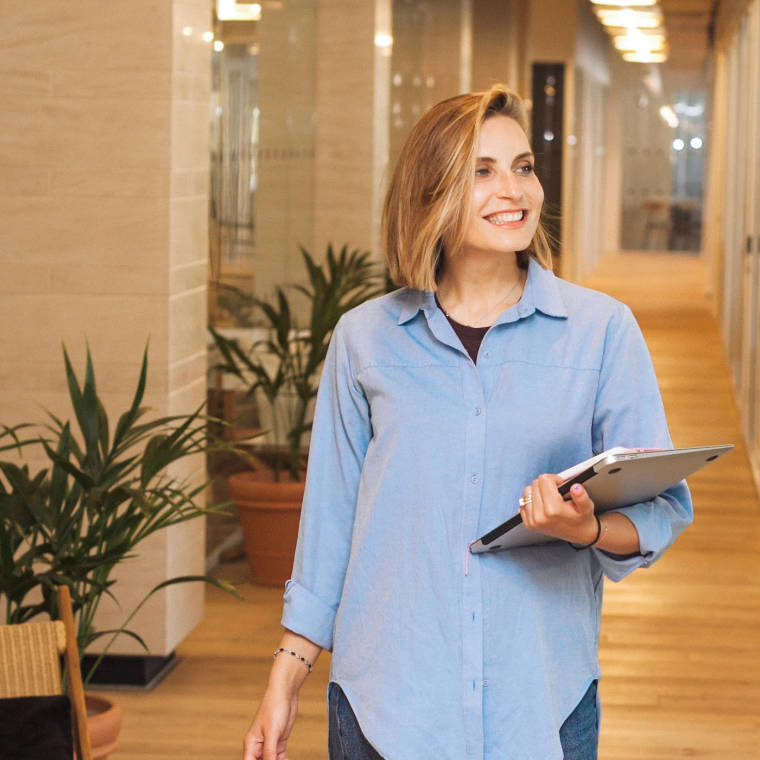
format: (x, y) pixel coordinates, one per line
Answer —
(650, 58)
(635, 41)
(628, 18)
(626, 3)
(230, 10)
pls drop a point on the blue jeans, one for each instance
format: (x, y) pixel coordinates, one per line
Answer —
(345, 740)
(579, 734)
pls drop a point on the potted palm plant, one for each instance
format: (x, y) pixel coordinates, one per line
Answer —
(282, 372)
(104, 491)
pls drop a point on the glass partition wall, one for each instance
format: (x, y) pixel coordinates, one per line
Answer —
(261, 200)
(663, 143)
(234, 155)
(262, 152)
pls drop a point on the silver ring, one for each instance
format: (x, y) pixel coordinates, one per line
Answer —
(523, 501)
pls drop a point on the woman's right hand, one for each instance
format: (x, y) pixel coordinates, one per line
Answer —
(267, 737)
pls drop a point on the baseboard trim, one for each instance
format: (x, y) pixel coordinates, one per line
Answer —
(123, 671)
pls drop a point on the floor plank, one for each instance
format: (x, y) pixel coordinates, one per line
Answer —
(680, 643)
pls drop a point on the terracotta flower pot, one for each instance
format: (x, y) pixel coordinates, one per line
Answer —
(269, 514)
(103, 724)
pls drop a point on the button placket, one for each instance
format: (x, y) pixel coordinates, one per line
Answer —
(472, 601)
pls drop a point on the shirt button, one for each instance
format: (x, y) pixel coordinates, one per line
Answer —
(486, 354)
(474, 478)
(478, 411)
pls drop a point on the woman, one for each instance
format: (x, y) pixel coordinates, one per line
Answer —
(444, 407)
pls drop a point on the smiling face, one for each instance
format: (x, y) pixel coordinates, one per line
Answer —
(507, 196)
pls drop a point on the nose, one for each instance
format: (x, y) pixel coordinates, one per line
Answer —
(509, 186)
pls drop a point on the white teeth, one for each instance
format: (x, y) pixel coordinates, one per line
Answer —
(506, 218)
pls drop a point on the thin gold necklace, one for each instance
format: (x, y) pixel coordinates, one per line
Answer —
(514, 287)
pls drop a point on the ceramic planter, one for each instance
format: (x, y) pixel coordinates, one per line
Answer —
(269, 513)
(103, 725)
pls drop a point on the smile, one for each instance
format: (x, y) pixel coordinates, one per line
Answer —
(507, 217)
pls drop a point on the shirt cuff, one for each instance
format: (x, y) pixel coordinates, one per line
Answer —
(616, 566)
(652, 524)
(307, 615)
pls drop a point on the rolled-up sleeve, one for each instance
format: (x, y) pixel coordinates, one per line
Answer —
(340, 436)
(629, 412)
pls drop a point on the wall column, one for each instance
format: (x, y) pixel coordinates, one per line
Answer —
(103, 192)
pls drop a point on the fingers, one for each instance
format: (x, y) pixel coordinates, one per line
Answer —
(580, 499)
(269, 747)
(548, 495)
(253, 747)
(544, 509)
(540, 499)
(264, 742)
(274, 749)
(531, 506)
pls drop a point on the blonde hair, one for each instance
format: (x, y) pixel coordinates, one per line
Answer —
(427, 205)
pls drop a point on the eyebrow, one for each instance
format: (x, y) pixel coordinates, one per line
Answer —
(489, 160)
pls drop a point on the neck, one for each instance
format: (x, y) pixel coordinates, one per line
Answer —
(475, 290)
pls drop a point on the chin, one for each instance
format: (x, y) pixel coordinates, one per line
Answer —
(513, 245)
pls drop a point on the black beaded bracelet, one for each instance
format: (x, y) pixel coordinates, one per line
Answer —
(295, 654)
(598, 535)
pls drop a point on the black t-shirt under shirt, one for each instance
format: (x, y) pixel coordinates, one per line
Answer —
(471, 337)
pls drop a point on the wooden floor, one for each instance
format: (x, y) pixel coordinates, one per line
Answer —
(680, 641)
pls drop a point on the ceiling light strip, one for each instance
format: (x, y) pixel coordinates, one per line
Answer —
(636, 28)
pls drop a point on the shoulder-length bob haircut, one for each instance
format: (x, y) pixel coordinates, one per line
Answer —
(427, 205)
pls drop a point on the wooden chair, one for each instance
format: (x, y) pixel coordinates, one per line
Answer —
(30, 665)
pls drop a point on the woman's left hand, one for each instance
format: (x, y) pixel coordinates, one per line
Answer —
(544, 509)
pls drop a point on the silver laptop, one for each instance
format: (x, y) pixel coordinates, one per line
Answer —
(614, 479)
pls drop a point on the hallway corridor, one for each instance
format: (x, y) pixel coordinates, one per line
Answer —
(680, 642)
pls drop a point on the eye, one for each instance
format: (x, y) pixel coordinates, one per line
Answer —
(482, 171)
(526, 169)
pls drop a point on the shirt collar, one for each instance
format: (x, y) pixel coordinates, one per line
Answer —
(541, 294)
(414, 301)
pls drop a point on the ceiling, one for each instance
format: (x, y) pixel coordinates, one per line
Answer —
(688, 29)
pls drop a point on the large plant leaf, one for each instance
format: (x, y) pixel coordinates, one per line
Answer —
(85, 402)
(84, 478)
(12, 433)
(103, 431)
(135, 410)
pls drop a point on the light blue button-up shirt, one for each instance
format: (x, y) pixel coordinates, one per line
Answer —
(415, 452)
